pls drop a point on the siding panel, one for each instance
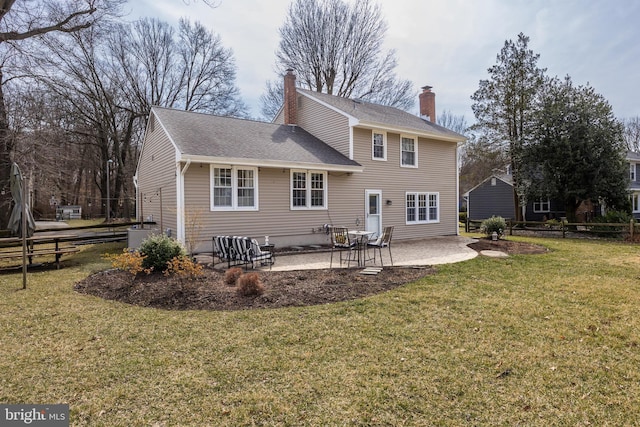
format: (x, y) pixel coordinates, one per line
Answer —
(327, 125)
(157, 179)
(486, 201)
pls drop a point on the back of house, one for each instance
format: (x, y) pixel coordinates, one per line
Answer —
(325, 160)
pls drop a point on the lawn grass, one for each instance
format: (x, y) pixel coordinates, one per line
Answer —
(543, 340)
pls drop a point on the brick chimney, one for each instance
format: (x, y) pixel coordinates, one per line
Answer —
(290, 99)
(428, 103)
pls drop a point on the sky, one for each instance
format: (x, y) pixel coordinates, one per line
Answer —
(446, 44)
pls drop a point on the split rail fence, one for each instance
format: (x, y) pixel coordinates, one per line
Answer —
(567, 229)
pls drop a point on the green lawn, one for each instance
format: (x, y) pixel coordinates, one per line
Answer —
(529, 340)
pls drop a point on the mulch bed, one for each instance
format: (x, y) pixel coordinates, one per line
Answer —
(282, 288)
(508, 246)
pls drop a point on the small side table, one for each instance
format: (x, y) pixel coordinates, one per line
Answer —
(271, 248)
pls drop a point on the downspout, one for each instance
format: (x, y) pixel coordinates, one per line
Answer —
(180, 200)
(457, 222)
(138, 201)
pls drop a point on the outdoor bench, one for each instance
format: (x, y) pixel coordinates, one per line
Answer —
(239, 250)
(61, 247)
(40, 252)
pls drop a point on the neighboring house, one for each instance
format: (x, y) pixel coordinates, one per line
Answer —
(324, 161)
(634, 182)
(495, 197)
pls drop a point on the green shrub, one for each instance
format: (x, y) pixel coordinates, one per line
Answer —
(554, 224)
(158, 250)
(612, 217)
(462, 216)
(495, 223)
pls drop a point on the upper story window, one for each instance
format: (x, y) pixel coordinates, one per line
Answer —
(422, 208)
(632, 171)
(379, 146)
(308, 189)
(408, 152)
(541, 205)
(234, 188)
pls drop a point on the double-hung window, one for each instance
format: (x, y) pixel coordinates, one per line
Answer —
(541, 205)
(635, 202)
(422, 208)
(234, 188)
(379, 146)
(632, 171)
(308, 189)
(408, 152)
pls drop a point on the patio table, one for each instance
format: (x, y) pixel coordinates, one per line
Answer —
(362, 237)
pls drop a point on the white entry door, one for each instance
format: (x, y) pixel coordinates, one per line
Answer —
(373, 210)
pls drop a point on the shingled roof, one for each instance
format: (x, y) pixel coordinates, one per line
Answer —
(205, 137)
(369, 114)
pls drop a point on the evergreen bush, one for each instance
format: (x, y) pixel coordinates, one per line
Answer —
(158, 250)
(495, 223)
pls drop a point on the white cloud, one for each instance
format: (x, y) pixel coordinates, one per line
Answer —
(449, 44)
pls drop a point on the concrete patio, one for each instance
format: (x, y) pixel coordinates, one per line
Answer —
(431, 251)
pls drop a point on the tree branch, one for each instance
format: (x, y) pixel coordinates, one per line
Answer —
(60, 26)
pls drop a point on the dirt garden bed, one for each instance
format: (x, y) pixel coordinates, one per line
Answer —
(282, 288)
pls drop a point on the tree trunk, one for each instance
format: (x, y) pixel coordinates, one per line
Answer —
(571, 207)
(6, 151)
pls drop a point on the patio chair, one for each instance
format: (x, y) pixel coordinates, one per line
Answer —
(383, 241)
(221, 248)
(341, 242)
(260, 256)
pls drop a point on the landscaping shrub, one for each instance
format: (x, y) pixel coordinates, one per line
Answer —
(231, 276)
(250, 285)
(158, 250)
(462, 216)
(183, 266)
(612, 217)
(495, 223)
(128, 260)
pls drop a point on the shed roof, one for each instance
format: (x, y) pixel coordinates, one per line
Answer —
(205, 137)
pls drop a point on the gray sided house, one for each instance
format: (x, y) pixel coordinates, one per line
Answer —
(325, 160)
(495, 197)
(634, 182)
(492, 197)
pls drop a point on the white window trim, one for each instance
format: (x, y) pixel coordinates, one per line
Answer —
(308, 206)
(632, 171)
(635, 202)
(541, 202)
(384, 146)
(234, 188)
(415, 145)
(416, 194)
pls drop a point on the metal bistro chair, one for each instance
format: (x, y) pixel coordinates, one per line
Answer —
(341, 242)
(383, 241)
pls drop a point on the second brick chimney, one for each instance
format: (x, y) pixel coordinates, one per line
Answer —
(428, 103)
(290, 99)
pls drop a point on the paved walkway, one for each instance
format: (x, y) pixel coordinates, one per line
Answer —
(431, 251)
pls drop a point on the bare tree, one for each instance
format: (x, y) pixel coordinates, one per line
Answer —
(109, 77)
(336, 47)
(632, 133)
(453, 122)
(23, 20)
(190, 70)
